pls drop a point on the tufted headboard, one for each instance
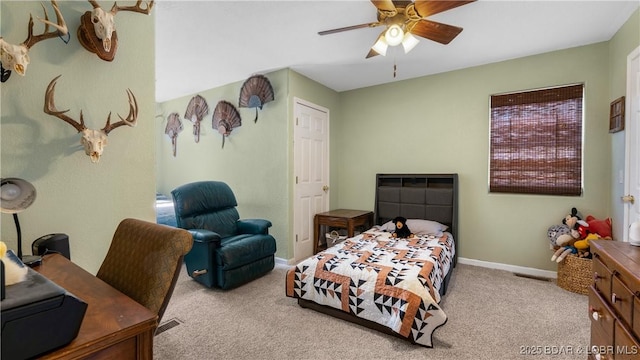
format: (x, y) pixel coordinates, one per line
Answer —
(418, 196)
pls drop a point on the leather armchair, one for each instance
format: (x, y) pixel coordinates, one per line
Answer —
(227, 251)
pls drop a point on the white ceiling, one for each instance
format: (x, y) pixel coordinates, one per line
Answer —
(202, 45)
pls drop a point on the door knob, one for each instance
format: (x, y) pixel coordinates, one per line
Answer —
(325, 188)
(628, 198)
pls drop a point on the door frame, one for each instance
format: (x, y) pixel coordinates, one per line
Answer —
(632, 80)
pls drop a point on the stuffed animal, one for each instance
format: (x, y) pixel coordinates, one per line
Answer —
(402, 230)
(600, 227)
(13, 272)
(572, 228)
(563, 237)
(562, 252)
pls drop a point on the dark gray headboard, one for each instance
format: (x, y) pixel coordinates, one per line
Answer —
(418, 196)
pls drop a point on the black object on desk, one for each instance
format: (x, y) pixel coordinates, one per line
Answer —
(38, 316)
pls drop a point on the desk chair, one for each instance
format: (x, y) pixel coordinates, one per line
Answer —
(144, 262)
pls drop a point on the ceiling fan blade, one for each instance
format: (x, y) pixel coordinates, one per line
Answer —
(347, 28)
(384, 5)
(435, 31)
(430, 7)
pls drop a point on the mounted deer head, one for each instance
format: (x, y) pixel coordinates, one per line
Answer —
(97, 31)
(16, 57)
(93, 141)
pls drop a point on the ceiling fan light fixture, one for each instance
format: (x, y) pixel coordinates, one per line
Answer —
(409, 42)
(380, 46)
(394, 35)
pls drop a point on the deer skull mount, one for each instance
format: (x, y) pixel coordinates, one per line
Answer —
(97, 30)
(16, 57)
(93, 141)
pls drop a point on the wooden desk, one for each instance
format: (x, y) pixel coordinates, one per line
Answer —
(114, 326)
(341, 218)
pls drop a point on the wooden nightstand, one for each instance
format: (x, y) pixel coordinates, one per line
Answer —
(341, 218)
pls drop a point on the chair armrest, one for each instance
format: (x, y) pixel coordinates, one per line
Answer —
(253, 226)
(205, 236)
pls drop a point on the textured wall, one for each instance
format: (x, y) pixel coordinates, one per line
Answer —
(76, 197)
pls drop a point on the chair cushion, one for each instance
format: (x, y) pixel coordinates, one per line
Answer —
(239, 250)
(207, 205)
(224, 222)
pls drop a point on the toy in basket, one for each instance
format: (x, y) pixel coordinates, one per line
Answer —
(334, 237)
(570, 243)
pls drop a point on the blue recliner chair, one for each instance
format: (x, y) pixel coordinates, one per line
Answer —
(227, 252)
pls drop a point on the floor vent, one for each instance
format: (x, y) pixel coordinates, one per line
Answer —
(169, 324)
(539, 278)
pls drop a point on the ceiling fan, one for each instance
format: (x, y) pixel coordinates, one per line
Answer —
(403, 20)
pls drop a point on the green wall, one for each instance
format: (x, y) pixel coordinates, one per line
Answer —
(74, 196)
(253, 161)
(433, 124)
(257, 158)
(447, 111)
(440, 124)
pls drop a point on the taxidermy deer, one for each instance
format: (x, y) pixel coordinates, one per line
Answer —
(16, 57)
(97, 30)
(93, 141)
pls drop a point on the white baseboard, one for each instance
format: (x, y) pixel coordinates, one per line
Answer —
(491, 265)
(512, 268)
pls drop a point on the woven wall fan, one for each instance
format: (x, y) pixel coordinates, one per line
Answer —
(173, 128)
(255, 92)
(196, 111)
(225, 118)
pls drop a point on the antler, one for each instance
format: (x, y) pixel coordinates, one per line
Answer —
(135, 8)
(61, 27)
(50, 108)
(132, 118)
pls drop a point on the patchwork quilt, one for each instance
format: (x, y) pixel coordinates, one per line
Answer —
(393, 282)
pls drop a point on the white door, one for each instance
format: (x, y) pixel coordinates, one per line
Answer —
(311, 171)
(632, 140)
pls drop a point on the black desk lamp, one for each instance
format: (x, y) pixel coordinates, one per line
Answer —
(15, 196)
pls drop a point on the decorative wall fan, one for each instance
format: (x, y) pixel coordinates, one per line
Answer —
(225, 118)
(255, 92)
(173, 128)
(403, 20)
(196, 111)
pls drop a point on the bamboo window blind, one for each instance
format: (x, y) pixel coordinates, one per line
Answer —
(536, 141)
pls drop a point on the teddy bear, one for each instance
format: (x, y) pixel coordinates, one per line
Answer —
(402, 230)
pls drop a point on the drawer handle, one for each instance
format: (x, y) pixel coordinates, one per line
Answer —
(594, 313)
(614, 298)
(596, 277)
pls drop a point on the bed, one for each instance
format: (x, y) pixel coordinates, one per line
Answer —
(388, 284)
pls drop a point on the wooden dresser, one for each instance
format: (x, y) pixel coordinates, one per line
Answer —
(614, 301)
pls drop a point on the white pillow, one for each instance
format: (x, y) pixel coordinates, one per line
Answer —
(418, 227)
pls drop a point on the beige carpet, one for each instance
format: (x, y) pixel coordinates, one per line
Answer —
(492, 314)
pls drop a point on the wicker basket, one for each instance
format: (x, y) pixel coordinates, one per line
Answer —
(575, 274)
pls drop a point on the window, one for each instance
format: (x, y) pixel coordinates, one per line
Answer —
(536, 142)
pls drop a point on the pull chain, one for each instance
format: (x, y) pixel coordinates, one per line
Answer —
(394, 67)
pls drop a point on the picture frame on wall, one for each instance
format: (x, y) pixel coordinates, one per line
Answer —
(616, 115)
